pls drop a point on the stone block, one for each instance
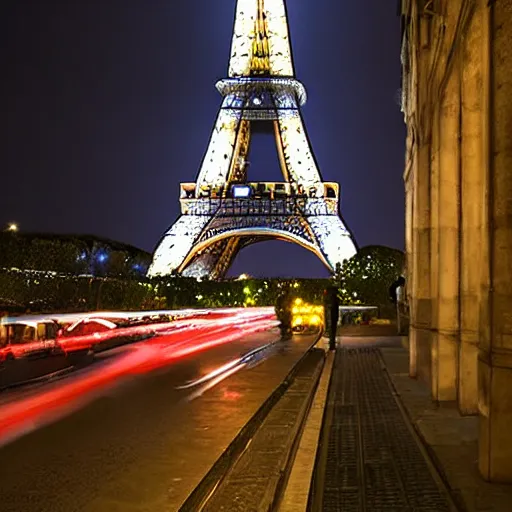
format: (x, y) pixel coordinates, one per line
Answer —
(495, 421)
(468, 377)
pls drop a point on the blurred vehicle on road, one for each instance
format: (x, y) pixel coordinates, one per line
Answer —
(31, 349)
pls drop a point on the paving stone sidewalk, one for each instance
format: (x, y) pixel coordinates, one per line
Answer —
(370, 458)
(452, 438)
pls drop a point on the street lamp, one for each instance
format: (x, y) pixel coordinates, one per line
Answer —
(12, 227)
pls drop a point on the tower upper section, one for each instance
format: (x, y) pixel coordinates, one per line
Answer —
(261, 40)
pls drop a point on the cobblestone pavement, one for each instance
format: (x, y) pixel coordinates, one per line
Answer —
(370, 458)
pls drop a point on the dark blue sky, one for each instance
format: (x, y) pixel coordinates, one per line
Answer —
(109, 105)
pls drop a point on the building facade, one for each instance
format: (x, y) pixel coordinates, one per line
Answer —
(457, 103)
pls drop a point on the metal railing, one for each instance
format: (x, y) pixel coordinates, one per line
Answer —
(231, 207)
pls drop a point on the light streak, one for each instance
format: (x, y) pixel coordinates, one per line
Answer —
(201, 391)
(23, 415)
(211, 375)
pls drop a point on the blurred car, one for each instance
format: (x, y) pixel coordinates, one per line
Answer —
(31, 349)
(25, 339)
(105, 334)
(88, 326)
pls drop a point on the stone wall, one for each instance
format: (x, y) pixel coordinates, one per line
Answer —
(457, 103)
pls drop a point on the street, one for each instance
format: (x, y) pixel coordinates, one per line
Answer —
(141, 442)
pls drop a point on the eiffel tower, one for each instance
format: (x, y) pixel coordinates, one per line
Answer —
(221, 213)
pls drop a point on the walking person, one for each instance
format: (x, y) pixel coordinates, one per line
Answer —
(397, 296)
(284, 313)
(332, 314)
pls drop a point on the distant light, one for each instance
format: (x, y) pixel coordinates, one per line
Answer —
(243, 276)
(102, 257)
(12, 227)
(241, 191)
(315, 320)
(256, 101)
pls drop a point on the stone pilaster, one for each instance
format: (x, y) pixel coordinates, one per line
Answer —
(495, 354)
(419, 342)
(471, 210)
(420, 305)
(409, 205)
(445, 342)
(434, 242)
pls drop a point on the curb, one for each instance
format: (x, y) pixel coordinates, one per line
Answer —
(298, 428)
(317, 477)
(298, 489)
(212, 480)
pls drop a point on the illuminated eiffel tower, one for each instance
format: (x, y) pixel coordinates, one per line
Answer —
(221, 213)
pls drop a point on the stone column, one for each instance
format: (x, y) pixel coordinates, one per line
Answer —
(495, 355)
(434, 239)
(471, 205)
(445, 340)
(420, 307)
(419, 342)
(409, 207)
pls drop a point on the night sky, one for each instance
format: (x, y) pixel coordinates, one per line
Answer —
(108, 106)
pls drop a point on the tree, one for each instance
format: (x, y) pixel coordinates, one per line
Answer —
(338, 273)
(116, 265)
(367, 276)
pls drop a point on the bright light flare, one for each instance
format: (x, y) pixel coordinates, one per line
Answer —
(306, 315)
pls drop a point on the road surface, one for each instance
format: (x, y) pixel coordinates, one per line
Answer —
(141, 442)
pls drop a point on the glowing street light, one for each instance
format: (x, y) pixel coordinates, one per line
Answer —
(243, 276)
(13, 227)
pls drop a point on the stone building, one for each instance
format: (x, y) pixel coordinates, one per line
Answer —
(457, 103)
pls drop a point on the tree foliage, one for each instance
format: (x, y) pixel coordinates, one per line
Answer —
(45, 292)
(70, 255)
(367, 276)
(116, 281)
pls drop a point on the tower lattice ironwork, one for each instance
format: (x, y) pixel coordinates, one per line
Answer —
(222, 212)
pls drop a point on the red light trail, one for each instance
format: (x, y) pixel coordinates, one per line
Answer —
(174, 341)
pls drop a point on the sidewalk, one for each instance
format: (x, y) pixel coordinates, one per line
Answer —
(383, 445)
(452, 439)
